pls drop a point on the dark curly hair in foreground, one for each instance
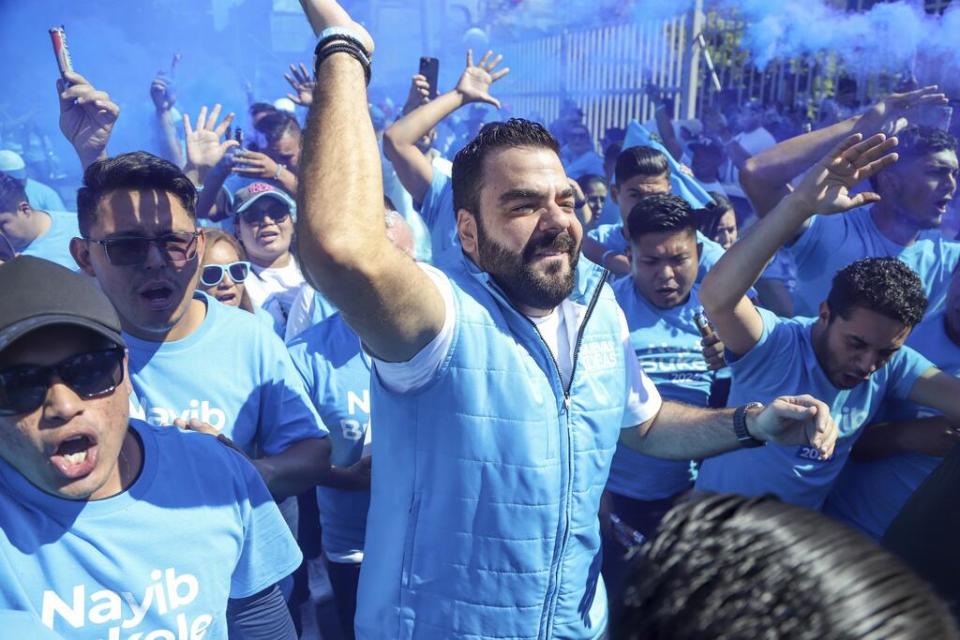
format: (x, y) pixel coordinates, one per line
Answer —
(884, 285)
(736, 568)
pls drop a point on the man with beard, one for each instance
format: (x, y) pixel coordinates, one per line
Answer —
(501, 385)
(852, 355)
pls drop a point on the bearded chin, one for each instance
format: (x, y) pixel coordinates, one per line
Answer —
(518, 279)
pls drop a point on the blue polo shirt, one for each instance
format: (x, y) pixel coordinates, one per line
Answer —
(783, 362)
(869, 495)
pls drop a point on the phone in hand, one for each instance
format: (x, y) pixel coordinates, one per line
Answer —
(430, 69)
(58, 37)
(238, 136)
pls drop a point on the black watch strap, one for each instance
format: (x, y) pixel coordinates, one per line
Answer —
(740, 426)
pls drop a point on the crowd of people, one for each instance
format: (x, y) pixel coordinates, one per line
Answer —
(698, 382)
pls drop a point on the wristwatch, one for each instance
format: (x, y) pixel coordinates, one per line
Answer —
(740, 426)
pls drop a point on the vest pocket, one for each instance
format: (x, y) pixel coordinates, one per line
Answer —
(409, 541)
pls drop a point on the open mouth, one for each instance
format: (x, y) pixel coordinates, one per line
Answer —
(227, 298)
(75, 457)
(157, 296)
(942, 205)
(268, 236)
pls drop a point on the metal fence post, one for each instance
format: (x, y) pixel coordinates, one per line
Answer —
(690, 82)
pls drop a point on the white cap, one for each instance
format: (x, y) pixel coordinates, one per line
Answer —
(285, 104)
(12, 164)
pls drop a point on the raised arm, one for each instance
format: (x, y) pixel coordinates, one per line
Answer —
(87, 117)
(825, 189)
(400, 140)
(164, 96)
(766, 176)
(385, 297)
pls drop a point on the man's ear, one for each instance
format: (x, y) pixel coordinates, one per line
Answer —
(80, 250)
(615, 193)
(824, 312)
(24, 208)
(467, 229)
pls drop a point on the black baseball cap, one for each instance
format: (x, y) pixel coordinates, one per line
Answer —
(39, 293)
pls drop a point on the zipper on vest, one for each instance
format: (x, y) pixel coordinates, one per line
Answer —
(553, 592)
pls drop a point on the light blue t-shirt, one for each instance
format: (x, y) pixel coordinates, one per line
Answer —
(54, 245)
(233, 373)
(833, 242)
(337, 376)
(869, 495)
(667, 344)
(783, 362)
(612, 238)
(40, 196)
(159, 560)
(438, 214)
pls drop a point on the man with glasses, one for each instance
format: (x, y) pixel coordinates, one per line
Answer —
(192, 359)
(94, 505)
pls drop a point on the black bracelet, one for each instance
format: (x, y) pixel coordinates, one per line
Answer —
(343, 45)
(341, 36)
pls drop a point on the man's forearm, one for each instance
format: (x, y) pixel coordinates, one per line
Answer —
(167, 138)
(767, 175)
(740, 267)
(340, 168)
(297, 469)
(684, 432)
(419, 122)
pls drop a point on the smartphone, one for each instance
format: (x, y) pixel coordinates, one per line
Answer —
(238, 136)
(430, 69)
(58, 37)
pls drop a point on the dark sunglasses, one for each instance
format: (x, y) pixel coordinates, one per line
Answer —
(178, 248)
(24, 387)
(252, 217)
(212, 274)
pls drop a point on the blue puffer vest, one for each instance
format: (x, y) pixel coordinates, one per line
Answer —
(487, 482)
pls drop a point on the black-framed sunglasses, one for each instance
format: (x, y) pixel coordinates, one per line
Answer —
(212, 274)
(253, 217)
(178, 248)
(94, 373)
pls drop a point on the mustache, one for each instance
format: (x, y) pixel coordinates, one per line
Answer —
(560, 242)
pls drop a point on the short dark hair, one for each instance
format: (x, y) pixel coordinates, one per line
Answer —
(12, 192)
(275, 124)
(133, 171)
(640, 161)
(590, 178)
(658, 213)
(917, 141)
(468, 163)
(260, 107)
(708, 218)
(728, 566)
(883, 285)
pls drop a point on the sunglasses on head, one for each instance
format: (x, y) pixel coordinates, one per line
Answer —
(252, 217)
(177, 248)
(212, 274)
(24, 387)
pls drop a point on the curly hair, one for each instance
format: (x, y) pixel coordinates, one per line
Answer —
(660, 212)
(727, 566)
(468, 163)
(884, 285)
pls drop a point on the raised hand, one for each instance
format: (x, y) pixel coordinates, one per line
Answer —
(795, 420)
(302, 82)
(419, 93)
(87, 117)
(162, 92)
(895, 112)
(205, 144)
(253, 164)
(826, 186)
(474, 84)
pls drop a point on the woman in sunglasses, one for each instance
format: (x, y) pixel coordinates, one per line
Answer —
(224, 273)
(264, 224)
